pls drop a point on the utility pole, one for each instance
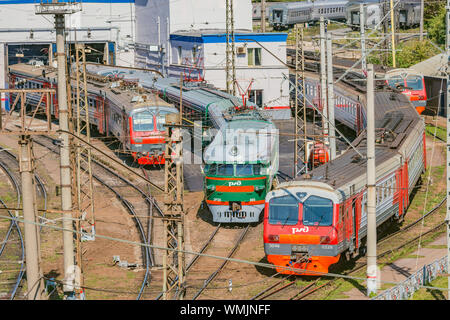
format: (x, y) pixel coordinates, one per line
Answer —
(447, 44)
(330, 87)
(59, 10)
(323, 81)
(300, 118)
(394, 64)
(35, 281)
(263, 15)
(371, 187)
(362, 24)
(174, 267)
(82, 181)
(421, 19)
(230, 67)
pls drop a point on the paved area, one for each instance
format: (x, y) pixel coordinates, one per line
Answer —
(403, 268)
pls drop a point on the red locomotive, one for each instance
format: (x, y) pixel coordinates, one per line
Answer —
(411, 84)
(309, 223)
(135, 118)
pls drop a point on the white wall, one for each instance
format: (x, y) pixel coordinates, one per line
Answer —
(117, 21)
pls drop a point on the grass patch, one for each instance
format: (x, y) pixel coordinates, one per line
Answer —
(440, 133)
(433, 294)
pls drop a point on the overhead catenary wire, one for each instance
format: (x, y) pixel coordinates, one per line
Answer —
(260, 264)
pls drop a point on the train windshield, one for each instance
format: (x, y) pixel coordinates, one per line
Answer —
(161, 120)
(283, 210)
(143, 121)
(395, 81)
(317, 211)
(225, 170)
(414, 82)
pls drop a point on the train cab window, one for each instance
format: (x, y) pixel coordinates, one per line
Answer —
(143, 121)
(414, 82)
(283, 210)
(317, 211)
(211, 169)
(225, 170)
(244, 170)
(395, 81)
(161, 121)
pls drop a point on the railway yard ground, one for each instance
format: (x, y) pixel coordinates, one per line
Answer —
(105, 279)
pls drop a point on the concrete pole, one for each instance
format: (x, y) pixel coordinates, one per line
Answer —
(362, 23)
(448, 150)
(330, 80)
(394, 64)
(323, 80)
(35, 284)
(263, 15)
(66, 182)
(371, 187)
(421, 20)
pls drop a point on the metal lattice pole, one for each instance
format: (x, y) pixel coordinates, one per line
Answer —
(230, 67)
(174, 268)
(300, 126)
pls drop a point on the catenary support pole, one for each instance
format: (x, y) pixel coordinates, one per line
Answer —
(323, 80)
(35, 283)
(448, 144)
(394, 64)
(371, 187)
(362, 23)
(330, 88)
(421, 20)
(66, 182)
(263, 15)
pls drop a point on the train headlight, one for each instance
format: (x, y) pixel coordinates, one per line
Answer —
(325, 239)
(211, 187)
(259, 188)
(274, 238)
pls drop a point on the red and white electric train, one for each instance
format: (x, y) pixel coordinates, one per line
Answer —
(116, 108)
(313, 220)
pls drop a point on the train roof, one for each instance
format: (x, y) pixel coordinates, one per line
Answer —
(395, 120)
(128, 100)
(323, 3)
(243, 141)
(292, 5)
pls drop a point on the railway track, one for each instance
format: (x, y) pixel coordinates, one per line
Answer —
(12, 248)
(285, 283)
(135, 200)
(220, 268)
(388, 251)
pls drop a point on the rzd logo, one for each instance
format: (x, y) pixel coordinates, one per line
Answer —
(302, 229)
(233, 184)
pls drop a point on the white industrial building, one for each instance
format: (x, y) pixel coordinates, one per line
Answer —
(109, 27)
(189, 37)
(171, 35)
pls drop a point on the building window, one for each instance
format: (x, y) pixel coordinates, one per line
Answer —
(254, 56)
(194, 54)
(256, 96)
(180, 61)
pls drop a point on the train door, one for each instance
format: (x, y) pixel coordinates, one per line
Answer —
(125, 132)
(99, 113)
(277, 16)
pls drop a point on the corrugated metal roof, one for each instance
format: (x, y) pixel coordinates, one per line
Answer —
(434, 67)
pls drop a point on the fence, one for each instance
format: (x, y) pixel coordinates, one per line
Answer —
(406, 289)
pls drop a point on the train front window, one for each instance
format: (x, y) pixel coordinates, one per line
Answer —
(225, 170)
(317, 211)
(395, 81)
(414, 82)
(243, 170)
(210, 169)
(283, 210)
(143, 121)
